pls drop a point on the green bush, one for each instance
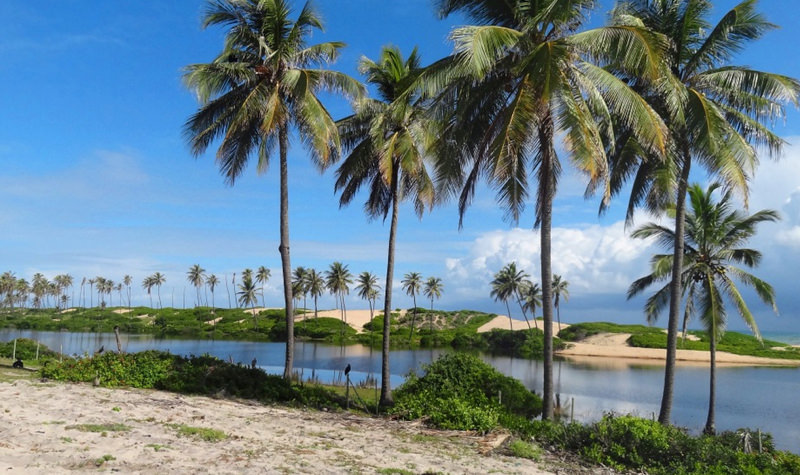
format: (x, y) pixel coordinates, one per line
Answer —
(459, 391)
(26, 350)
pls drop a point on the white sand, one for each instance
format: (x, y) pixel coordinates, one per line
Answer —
(39, 434)
(501, 322)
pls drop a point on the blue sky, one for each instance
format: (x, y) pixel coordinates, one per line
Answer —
(96, 178)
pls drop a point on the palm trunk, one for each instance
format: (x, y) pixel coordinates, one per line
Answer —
(315, 307)
(547, 192)
(522, 309)
(675, 291)
(283, 138)
(413, 319)
(710, 429)
(510, 323)
(558, 316)
(227, 291)
(386, 389)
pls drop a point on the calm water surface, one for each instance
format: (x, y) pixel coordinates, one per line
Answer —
(754, 397)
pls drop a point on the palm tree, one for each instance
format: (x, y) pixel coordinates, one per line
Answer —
(368, 288)
(516, 81)
(715, 113)
(386, 141)
(505, 285)
(91, 291)
(316, 286)
(715, 234)
(531, 295)
(262, 84)
(412, 284)
(433, 290)
(300, 282)
(196, 277)
(338, 280)
(147, 284)
(158, 280)
(262, 276)
(248, 297)
(560, 289)
(212, 283)
(128, 280)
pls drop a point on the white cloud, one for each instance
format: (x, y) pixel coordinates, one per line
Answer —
(595, 259)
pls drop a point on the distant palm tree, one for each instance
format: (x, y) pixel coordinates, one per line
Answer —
(158, 280)
(338, 280)
(260, 87)
(147, 284)
(433, 290)
(316, 286)
(247, 274)
(531, 299)
(368, 288)
(715, 232)
(412, 283)
(196, 276)
(128, 280)
(248, 296)
(91, 292)
(212, 282)
(507, 284)
(560, 289)
(262, 276)
(300, 278)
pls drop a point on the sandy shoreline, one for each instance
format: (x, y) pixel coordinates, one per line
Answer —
(41, 433)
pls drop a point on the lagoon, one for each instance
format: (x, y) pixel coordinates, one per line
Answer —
(754, 397)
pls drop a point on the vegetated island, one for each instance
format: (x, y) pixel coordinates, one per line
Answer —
(463, 329)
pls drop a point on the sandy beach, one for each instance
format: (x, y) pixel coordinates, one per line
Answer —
(56, 427)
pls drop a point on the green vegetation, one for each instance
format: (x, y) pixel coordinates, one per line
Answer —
(459, 391)
(203, 433)
(26, 350)
(108, 427)
(522, 449)
(105, 458)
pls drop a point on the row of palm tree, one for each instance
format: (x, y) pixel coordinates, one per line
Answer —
(515, 284)
(639, 98)
(18, 292)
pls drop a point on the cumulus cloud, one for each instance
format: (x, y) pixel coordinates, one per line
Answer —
(595, 259)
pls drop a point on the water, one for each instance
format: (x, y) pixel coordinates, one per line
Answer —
(755, 397)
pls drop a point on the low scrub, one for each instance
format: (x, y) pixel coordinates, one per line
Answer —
(459, 391)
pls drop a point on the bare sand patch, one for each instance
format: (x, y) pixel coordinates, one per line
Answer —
(122, 310)
(615, 345)
(68, 310)
(501, 322)
(41, 433)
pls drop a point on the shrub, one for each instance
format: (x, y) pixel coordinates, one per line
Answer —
(459, 391)
(26, 349)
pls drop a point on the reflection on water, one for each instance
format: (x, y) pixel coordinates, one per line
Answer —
(754, 397)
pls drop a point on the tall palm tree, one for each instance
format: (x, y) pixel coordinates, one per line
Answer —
(262, 276)
(91, 292)
(316, 286)
(260, 87)
(412, 284)
(248, 297)
(212, 281)
(715, 234)
(338, 280)
(368, 288)
(386, 141)
(196, 276)
(715, 112)
(433, 290)
(518, 79)
(560, 290)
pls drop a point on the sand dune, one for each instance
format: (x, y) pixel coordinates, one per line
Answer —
(501, 322)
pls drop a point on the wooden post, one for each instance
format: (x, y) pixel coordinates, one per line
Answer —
(347, 393)
(116, 334)
(572, 411)
(14, 354)
(61, 353)
(37, 350)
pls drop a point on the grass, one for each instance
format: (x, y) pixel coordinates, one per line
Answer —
(527, 450)
(102, 460)
(107, 427)
(202, 433)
